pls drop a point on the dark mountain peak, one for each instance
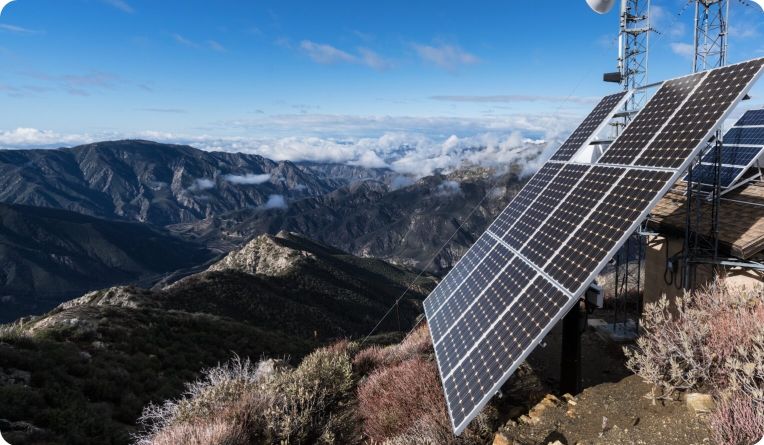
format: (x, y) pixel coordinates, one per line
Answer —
(145, 181)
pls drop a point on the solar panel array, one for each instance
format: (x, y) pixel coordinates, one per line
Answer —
(537, 258)
(742, 146)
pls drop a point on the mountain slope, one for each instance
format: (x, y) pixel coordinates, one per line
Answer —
(150, 182)
(370, 219)
(47, 255)
(83, 372)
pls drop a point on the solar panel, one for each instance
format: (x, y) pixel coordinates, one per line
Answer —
(547, 246)
(753, 117)
(734, 155)
(705, 174)
(653, 116)
(745, 136)
(593, 123)
(696, 119)
(742, 146)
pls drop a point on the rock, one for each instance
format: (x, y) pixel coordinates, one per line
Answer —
(501, 439)
(267, 368)
(699, 403)
(556, 442)
(264, 255)
(14, 377)
(534, 415)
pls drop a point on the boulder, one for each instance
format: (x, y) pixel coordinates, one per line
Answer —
(700, 403)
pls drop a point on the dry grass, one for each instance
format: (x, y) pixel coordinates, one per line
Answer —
(234, 404)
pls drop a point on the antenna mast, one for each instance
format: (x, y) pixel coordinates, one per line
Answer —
(633, 48)
(710, 34)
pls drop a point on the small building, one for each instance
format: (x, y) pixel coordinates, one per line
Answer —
(740, 240)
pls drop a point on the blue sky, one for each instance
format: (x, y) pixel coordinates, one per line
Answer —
(267, 72)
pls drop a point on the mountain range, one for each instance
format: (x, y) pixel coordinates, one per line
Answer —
(120, 212)
(82, 372)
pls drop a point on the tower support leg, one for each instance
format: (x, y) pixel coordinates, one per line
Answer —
(570, 365)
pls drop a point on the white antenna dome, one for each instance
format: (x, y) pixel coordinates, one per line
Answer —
(601, 6)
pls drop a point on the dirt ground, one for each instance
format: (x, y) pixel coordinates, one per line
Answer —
(612, 409)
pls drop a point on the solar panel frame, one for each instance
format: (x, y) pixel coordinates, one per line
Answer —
(573, 297)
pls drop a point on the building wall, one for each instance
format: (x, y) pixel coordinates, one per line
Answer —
(657, 278)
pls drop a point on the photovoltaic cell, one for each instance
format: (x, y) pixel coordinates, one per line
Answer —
(602, 230)
(653, 116)
(735, 159)
(716, 95)
(522, 200)
(499, 293)
(523, 228)
(753, 117)
(469, 289)
(601, 113)
(745, 136)
(461, 270)
(547, 245)
(541, 247)
(704, 174)
(734, 155)
(513, 329)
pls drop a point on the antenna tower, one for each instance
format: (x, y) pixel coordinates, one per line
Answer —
(633, 48)
(710, 43)
(710, 34)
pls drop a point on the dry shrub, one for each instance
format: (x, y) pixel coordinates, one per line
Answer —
(417, 343)
(310, 403)
(738, 420)
(234, 404)
(392, 400)
(691, 347)
(404, 404)
(212, 431)
(715, 339)
(215, 406)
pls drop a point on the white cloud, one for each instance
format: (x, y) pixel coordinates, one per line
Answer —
(18, 29)
(275, 202)
(248, 179)
(448, 188)
(400, 182)
(683, 49)
(122, 5)
(216, 46)
(327, 54)
(32, 137)
(666, 22)
(184, 41)
(512, 98)
(449, 57)
(202, 184)
(374, 60)
(408, 145)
